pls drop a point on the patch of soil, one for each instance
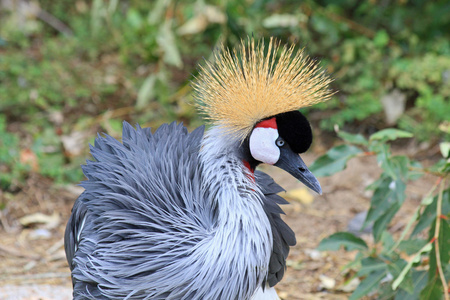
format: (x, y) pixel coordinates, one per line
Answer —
(33, 264)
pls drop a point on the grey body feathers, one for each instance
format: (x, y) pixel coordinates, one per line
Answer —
(146, 228)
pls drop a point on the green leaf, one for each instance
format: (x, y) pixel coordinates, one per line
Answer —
(395, 269)
(381, 224)
(146, 92)
(381, 38)
(386, 194)
(415, 259)
(134, 19)
(384, 158)
(427, 200)
(156, 14)
(445, 149)
(432, 291)
(387, 198)
(397, 167)
(345, 239)
(281, 20)
(387, 240)
(334, 160)
(411, 246)
(400, 166)
(444, 247)
(429, 213)
(445, 169)
(371, 264)
(419, 279)
(389, 134)
(374, 185)
(357, 139)
(368, 284)
(166, 40)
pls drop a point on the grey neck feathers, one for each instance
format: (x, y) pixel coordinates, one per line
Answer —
(243, 238)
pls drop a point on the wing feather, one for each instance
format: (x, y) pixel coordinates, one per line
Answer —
(144, 189)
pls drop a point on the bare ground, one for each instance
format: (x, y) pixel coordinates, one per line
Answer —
(33, 264)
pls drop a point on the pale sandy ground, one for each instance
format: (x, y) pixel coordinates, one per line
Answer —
(35, 292)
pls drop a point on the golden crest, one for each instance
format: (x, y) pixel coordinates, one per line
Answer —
(238, 89)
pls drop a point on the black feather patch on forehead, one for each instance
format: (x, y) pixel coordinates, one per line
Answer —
(294, 128)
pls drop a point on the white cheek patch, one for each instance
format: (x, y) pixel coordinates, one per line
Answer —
(262, 145)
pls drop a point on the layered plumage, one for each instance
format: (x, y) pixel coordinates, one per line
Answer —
(152, 213)
(178, 215)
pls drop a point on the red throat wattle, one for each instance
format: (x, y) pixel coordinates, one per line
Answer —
(252, 171)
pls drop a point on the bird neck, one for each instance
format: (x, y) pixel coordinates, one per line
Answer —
(228, 174)
(228, 170)
(241, 219)
(250, 169)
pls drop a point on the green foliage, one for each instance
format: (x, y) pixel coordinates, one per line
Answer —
(335, 160)
(107, 56)
(114, 60)
(344, 239)
(389, 135)
(12, 171)
(369, 283)
(45, 156)
(382, 268)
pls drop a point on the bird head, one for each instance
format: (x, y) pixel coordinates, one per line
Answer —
(253, 94)
(278, 141)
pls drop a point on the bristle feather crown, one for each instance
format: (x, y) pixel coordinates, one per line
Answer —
(240, 88)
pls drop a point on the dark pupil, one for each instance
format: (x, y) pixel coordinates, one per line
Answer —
(280, 142)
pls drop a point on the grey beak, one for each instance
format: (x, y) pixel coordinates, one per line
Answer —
(292, 163)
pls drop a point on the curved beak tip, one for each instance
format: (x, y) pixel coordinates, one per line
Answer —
(293, 164)
(319, 190)
(314, 185)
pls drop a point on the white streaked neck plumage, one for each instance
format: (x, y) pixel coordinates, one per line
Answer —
(238, 200)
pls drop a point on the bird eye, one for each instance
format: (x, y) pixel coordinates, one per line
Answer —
(279, 142)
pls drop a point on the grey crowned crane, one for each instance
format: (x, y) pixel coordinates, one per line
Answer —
(179, 215)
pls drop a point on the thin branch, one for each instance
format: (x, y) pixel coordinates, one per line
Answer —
(428, 171)
(366, 153)
(436, 239)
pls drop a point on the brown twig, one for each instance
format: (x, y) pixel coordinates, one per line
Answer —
(54, 22)
(34, 10)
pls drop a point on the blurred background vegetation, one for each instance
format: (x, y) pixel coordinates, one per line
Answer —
(71, 68)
